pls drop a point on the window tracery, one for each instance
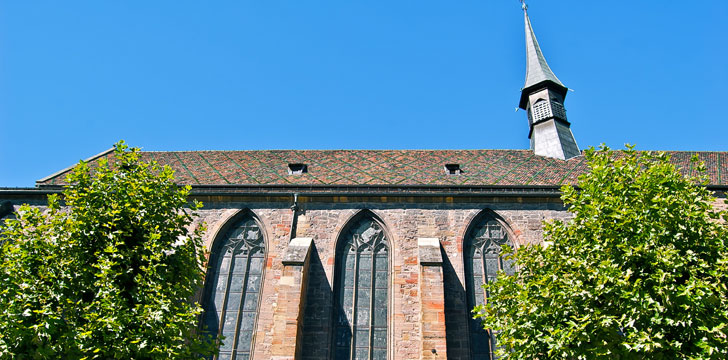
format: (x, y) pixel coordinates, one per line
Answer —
(361, 290)
(483, 260)
(233, 285)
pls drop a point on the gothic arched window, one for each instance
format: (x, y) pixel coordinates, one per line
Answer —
(361, 292)
(232, 293)
(483, 260)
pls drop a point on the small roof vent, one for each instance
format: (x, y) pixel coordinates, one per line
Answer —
(453, 169)
(297, 169)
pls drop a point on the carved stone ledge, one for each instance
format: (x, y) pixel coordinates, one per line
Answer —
(297, 252)
(429, 251)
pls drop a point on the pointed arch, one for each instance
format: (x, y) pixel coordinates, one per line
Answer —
(483, 258)
(233, 284)
(344, 224)
(361, 289)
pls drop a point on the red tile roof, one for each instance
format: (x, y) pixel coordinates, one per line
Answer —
(387, 167)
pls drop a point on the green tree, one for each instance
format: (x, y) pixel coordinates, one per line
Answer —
(640, 272)
(109, 274)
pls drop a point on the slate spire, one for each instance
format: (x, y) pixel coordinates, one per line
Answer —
(542, 97)
(537, 69)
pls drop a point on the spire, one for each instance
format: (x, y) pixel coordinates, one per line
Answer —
(542, 97)
(538, 71)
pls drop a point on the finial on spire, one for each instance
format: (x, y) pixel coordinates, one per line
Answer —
(542, 97)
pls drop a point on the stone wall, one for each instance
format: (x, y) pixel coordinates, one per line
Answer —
(410, 305)
(405, 223)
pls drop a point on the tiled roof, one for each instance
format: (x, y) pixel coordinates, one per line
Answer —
(386, 167)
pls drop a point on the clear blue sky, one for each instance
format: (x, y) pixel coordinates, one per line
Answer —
(76, 76)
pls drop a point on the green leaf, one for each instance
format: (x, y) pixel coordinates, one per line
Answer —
(638, 272)
(90, 281)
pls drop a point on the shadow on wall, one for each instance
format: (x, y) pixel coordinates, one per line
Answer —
(6, 208)
(457, 314)
(317, 313)
(317, 322)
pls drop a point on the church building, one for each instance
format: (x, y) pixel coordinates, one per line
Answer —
(373, 254)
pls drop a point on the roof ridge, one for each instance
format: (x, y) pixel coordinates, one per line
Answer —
(329, 150)
(69, 168)
(686, 151)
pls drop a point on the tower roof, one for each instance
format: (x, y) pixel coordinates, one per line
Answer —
(538, 71)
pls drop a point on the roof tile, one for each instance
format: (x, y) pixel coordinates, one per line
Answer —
(388, 167)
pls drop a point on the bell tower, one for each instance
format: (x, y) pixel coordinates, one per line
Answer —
(542, 97)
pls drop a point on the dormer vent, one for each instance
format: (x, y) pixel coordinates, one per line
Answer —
(452, 169)
(297, 169)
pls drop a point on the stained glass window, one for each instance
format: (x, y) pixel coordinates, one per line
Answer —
(483, 260)
(362, 278)
(233, 288)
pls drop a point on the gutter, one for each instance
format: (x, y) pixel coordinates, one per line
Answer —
(312, 191)
(294, 217)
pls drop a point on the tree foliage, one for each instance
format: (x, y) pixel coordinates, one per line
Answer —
(640, 272)
(110, 274)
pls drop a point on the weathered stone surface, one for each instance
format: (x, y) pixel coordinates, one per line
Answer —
(429, 251)
(298, 251)
(433, 339)
(426, 303)
(405, 224)
(287, 331)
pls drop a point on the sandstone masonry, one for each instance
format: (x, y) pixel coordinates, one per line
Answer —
(427, 298)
